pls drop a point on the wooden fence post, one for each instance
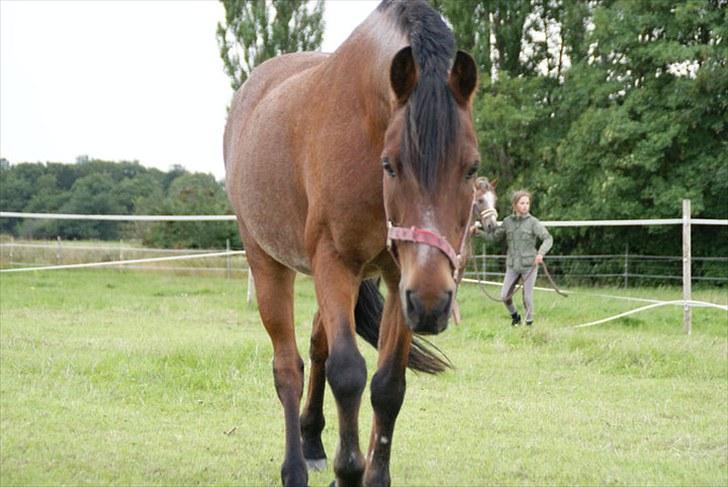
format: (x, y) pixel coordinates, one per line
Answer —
(626, 266)
(250, 286)
(59, 251)
(687, 275)
(227, 258)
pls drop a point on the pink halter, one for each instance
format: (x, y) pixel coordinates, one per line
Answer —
(427, 237)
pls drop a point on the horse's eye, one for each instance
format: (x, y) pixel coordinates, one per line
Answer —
(388, 167)
(472, 171)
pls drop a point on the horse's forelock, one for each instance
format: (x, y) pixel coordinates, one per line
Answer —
(431, 120)
(430, 128)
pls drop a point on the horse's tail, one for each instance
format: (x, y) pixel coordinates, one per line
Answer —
(368, 315)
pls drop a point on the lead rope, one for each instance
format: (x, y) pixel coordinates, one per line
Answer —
(482, 275)
(518, 284)
(553, 284)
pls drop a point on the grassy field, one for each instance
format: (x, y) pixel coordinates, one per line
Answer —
(130, 378)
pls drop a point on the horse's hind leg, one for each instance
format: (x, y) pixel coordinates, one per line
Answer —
(274, 291)
(312, 419)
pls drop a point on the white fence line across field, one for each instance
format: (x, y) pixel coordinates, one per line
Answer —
(653, 303)
(686, 221)
(647, 266)
(103, 247)
(168, 218)
(124, 262)
(128, 218)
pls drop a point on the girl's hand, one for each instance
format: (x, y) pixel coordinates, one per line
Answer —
(538, 260)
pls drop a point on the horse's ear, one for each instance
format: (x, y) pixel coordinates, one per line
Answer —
(494, 183)
(463, 77)
(403, 74)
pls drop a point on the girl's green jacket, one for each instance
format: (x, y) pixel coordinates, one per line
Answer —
(522, 233)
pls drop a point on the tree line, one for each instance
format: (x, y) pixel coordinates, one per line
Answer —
(114, 188)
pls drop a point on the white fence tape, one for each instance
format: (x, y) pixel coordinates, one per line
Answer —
(627, 223)
(578, 223)
(144, 218)
(168, 218)
(123, 262)
(654, 303)
(679, 302)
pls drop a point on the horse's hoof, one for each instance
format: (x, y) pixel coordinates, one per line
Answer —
(316, 465)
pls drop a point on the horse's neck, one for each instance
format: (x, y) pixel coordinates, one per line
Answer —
(369, 51)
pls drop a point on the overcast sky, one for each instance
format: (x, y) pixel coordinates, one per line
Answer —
(123, 80)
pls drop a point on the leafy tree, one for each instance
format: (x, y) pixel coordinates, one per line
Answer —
(612, 109)
(649, 129)
(92, 194)
(17, 187)
(256, 30)
(471, 25)
(190, 194)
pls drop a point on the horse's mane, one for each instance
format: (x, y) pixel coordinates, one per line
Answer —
(431, 121)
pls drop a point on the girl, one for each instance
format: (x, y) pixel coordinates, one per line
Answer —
(521, 230)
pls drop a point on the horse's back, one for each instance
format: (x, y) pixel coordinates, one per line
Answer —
(261, 81)
(261, 180)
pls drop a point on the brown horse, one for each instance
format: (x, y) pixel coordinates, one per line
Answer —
(347, 166)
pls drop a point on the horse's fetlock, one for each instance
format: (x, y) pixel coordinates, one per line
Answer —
(380, 478)
(294, 474)
(312, 424)
(349, 469)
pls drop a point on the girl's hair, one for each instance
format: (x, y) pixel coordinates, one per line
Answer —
(517, 195)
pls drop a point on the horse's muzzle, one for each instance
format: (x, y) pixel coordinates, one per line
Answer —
(490, 226)
(427, 318)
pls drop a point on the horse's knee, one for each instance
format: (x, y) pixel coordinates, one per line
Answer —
(288, 376)
(346, 371)
(387, 393)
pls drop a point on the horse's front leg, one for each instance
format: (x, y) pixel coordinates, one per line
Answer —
(336, 290)
(387, 388)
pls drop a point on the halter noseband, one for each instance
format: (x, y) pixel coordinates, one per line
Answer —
(428, 237)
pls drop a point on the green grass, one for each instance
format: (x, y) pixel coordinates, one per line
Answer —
(126, 378)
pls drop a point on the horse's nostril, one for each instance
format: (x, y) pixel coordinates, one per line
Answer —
(445, 302)
(430, 318)
(414, 305)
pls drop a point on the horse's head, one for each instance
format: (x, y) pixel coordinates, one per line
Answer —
(485, 203)
(430, 159)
